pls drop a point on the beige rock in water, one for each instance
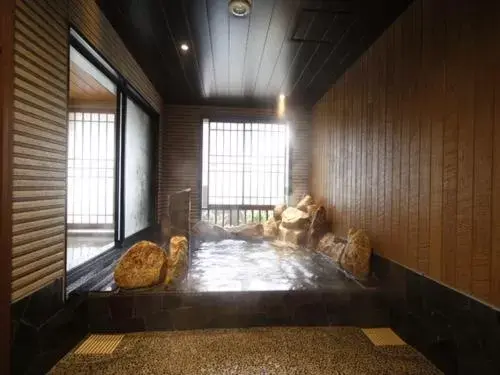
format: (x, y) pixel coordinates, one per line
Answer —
(318, 227)
(331, 246)
(278, 211)
(271, 228)
(209, 232)
(294, 218)
(293, 236)
(177, 259)
(304, 203)
(143, 265)
(356, 257)
(247, 231)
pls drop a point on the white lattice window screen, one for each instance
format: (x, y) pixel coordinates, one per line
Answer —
(91, 166)
(245, 163)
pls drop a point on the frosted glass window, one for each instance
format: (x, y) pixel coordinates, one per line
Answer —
(138, 172)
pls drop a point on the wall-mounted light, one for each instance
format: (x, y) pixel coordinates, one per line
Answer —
(281, 106)
(184, 47)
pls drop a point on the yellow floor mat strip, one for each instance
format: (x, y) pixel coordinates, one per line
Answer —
(99, 344)
(383, 336)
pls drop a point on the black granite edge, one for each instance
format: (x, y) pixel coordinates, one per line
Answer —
(44, 328)
(456, 332)
(202, 310)
(107, 256)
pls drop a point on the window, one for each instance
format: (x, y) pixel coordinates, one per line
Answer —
(245, 170)
(91, 166)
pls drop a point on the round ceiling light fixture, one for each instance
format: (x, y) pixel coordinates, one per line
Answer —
(240, 8)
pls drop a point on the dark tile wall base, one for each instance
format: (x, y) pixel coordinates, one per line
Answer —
(457, 333)
(44, 328)
(179, 311)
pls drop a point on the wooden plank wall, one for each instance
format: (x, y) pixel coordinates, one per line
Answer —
(407, 145)
(39, 129)
(7, 8)
(181, 147)
(88, 19)
(39, 145)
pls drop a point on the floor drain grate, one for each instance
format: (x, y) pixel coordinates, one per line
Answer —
(99, 344)
(383, 336)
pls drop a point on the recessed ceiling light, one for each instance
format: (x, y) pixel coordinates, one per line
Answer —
(184, 47)
(282, 96)
(240, 8)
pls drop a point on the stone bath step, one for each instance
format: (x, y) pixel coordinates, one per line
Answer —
(118, 313)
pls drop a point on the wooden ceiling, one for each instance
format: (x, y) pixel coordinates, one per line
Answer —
(83, 87)
(298, 48)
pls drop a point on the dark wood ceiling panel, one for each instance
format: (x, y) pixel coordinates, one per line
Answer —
(298, 47)
(239, 31)
(280, 32)
(260, 21)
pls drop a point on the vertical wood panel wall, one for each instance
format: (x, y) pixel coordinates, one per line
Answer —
(39, 129)
(407, 145)
(181, 149)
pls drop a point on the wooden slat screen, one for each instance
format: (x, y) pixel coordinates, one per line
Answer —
(39, 145)
(181, 147)
(407, 145)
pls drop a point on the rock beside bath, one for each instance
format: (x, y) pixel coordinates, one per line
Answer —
(292, 236)
(356, 257)
(271, 228)
(204, 231)
(247, 231)
(331, 246)
(278, 211)
(143, 265)
(318, 227)
(294, 218)
(177, 260)
(304, 203)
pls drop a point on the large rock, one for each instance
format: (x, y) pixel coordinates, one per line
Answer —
(304, 203)
(356, 257)
(271, 228)
(294, 218)
(247, 231)
(318, 227)
(177, 260)
(292, 236)
(204, 231)
(143, 265)
(331, 246)
(278, 211)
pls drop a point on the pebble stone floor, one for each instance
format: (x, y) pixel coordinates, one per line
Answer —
(263, 351)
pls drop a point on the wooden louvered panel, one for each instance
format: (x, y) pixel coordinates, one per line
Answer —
(32, 256)
(27, 206)
(32, 284)
(35, 265)
(432, 114)
(27, 61)
(48, 129)
(34, 245)
(39, 213)
(39, 147)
